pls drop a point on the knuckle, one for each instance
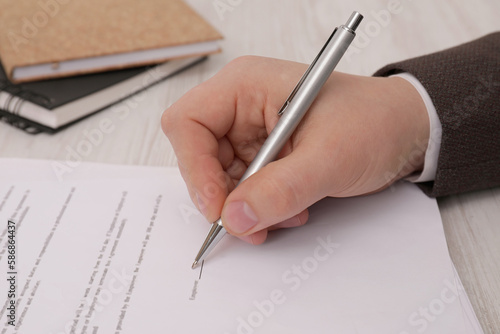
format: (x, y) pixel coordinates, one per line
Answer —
(242, 60)
(167, 121)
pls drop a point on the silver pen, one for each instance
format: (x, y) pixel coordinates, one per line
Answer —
(292, 112)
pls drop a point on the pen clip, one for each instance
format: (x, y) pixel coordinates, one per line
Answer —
(304, 77)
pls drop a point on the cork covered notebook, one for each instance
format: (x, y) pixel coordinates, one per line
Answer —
(53, 38)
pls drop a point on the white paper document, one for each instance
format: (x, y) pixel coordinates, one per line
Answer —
(108, 249)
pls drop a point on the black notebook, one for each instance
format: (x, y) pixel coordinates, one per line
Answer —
(52, 105)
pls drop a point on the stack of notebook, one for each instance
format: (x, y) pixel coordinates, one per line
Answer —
(63, 61)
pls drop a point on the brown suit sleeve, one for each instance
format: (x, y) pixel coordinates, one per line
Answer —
(464, 85)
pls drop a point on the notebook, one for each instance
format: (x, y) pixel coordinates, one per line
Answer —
(52, 105)
(54, 38)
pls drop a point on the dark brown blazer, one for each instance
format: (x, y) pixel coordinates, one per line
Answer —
(464, 85)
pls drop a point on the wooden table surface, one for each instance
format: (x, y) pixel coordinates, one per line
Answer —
(295, 30)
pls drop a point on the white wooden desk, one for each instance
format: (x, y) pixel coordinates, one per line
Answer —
(295, 30)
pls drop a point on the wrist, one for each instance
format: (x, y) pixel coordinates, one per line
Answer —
(409, 102)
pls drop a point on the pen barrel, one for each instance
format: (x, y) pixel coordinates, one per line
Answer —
(292, 112)
(304, 95)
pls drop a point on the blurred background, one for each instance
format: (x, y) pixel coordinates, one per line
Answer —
(288, 29)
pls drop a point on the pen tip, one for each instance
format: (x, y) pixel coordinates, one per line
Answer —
(195, 263)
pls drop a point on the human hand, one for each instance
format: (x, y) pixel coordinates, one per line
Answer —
(360, 135)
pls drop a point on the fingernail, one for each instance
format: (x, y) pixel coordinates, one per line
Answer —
(247, 239)
(233, 168)
(201, 205)
(290, 222)
(239, 217)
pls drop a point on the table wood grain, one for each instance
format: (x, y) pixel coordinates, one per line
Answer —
(295, 30)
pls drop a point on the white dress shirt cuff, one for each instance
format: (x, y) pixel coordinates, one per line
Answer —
(434, 145)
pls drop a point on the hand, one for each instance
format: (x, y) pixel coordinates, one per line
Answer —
(360, 135)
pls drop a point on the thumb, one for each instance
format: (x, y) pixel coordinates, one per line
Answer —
(281, 190)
